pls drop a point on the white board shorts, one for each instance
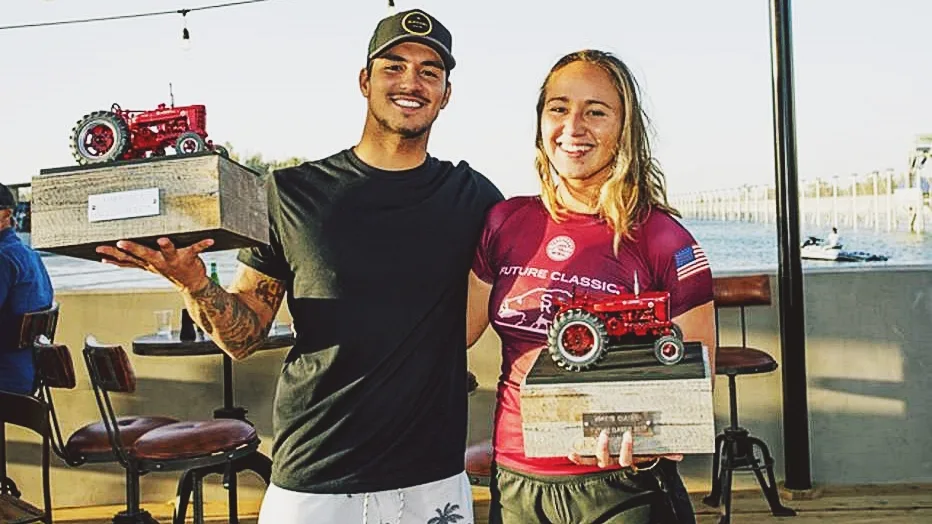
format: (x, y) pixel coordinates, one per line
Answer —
(447, 499)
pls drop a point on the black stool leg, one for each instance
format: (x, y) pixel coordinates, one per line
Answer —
(229, 482)
(7, 486)
(728, 468)
(185, 485)
(714, 497)
(725, 461)
(181, 498)
(198, 503)
(255, 462)
(769, 489)
(738, 452)
(133, 513)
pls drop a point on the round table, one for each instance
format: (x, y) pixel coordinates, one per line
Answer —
(160, 346)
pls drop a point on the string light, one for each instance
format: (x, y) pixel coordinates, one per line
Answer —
(122, 17)
(185, 34)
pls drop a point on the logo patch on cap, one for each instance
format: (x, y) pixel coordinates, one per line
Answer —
(417, 23)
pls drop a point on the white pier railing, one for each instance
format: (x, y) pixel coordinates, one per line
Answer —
(881, 201)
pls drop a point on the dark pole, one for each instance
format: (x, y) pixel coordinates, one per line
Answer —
(790, 274)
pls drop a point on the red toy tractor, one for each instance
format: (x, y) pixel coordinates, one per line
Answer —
(583, 328)
(120, 134)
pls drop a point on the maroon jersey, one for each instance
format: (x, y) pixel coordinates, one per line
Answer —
(531, 261)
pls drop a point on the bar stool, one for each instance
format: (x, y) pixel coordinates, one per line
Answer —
(89, 443)
(479, 455)
(180, 446)
(479, 463)
(31, 326)
(735, 448)
(30, 413)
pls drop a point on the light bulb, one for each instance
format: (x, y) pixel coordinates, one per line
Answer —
(185, 39)
(185, 34)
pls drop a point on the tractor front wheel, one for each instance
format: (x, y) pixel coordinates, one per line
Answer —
(222, 151)
(189, 142)
(677, 331)
(577, 339)
(669, 350)
(101, 136)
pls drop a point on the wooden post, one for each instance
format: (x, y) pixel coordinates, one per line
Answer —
(818, 203)
(891, 220)
(835, 201)
(854, 202)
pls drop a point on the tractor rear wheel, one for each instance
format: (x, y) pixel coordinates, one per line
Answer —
(669, 350)
(577, 339)
(189, 142)
(101, 136)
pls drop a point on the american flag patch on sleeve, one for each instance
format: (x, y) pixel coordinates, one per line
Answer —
(689, 261)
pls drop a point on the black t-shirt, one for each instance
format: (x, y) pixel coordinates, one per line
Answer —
(373, 394)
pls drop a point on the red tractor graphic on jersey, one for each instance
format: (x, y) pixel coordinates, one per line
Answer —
(583, 327)
(121, 134)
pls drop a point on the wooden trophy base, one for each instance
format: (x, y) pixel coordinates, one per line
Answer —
(668, 408)
(186, 198)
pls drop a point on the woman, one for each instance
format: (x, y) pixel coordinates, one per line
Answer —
(601, 218)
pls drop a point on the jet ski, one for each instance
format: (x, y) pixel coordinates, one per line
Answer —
(815, 248)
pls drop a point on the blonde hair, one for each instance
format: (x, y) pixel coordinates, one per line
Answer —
(636, 182)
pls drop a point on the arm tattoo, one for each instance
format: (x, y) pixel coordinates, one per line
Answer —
(235, 327)
(269, 291)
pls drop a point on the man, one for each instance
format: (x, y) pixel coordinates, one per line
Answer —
(374, 246)
(834, 240)
(24, 287)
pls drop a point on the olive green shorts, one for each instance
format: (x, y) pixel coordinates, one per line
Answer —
(612, 497)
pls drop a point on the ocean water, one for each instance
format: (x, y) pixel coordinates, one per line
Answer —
(748, 245)
(729, 246)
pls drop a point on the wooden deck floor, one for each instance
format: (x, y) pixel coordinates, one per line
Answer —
(898, 504)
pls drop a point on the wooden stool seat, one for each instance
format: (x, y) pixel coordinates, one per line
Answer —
(190, 439)
(92, 439)
(479, 462)
(736, 360)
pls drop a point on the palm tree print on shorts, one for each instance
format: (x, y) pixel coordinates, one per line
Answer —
(447, 516)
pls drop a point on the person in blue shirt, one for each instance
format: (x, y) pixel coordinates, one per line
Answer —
(25, 287)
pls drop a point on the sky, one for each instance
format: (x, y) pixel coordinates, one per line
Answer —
(280, 78)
